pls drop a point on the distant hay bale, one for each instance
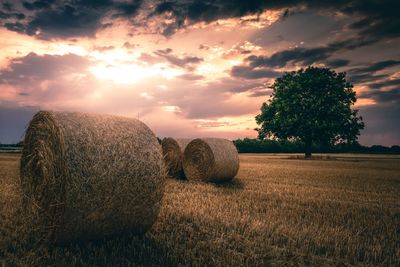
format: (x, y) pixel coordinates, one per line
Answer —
(173, 155)
(87, 176)
(210, 160)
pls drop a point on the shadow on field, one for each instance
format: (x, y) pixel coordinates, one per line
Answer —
(126, 250)
(235, 184)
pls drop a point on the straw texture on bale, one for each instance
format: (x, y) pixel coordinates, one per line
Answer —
(87, 176)
(210, 160)
(173, 154)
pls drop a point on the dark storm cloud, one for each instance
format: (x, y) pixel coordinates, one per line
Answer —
(66, 21)
(47, 19)
(255, 67)
(16, 26)
(377, 19)
(305, 56)
(337, 63)
(18, 16)
(385, 83)
(367, 73)
(7, 6)
(208, 11)
(40, 4)
(377, 66)
(372, 19)
(127, 9)
(391, 96)
(260, 66)
(363, 78)
(249, 72)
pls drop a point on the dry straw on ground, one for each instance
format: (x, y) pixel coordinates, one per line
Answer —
(173, 154)
(87, 176)
(211, 160)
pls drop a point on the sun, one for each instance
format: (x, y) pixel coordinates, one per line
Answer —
(120, 74)
(132, 73)
(122, 68)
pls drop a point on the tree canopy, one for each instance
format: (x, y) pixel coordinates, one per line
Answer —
(311, 105)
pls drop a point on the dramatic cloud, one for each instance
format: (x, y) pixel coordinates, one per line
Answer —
(304, 56)
(256, 67)
(48, 19)
(379, 19)
(386, 83)
(364, 78)
(183, 62)
(249, 72)
(367, 73)
(29, 70)
(46, 80)
(377, 66)
(59, 19)
(204, 67)
(391, 96)
(375, 19)
(337, 63)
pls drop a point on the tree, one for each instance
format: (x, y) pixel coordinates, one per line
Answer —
(312, 105)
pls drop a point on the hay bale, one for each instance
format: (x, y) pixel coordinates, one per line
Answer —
(87, 176)
(210, 160)
(173, 155)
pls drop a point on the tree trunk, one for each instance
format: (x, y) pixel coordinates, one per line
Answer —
(308, 144)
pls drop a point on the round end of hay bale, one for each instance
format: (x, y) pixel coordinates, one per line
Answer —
(42, 174)
(211, 160)
(172, 155)
(198, 161)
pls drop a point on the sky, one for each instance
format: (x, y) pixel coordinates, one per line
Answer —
(191, 68)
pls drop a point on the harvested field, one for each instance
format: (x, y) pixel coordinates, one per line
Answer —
(277, 211)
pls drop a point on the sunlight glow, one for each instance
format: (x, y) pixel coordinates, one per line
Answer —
(174, 109)
(132, 73)
(364, 102)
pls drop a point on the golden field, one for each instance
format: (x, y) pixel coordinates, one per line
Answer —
(336, 210)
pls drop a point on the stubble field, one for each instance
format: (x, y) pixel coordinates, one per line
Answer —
(280, 210)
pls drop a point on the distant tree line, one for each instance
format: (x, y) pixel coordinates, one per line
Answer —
(11, 147)
(19, 144)
(248, 145)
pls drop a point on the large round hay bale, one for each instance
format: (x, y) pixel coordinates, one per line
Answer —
(210, 160)
(173, 154)
(87, 176)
